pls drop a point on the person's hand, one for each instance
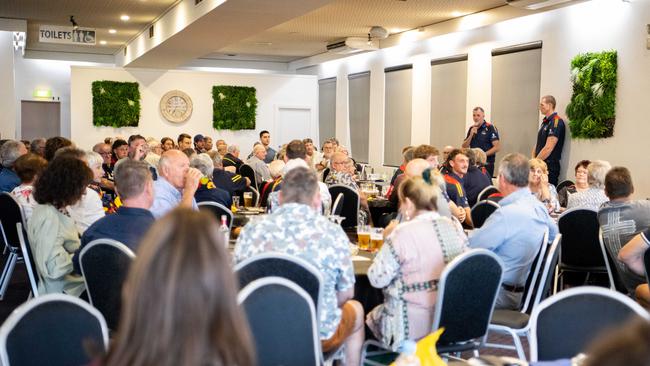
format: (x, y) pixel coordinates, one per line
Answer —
(192, 178)
(139, 153)
(390, 227)
(544, 179)
(460, 214)
(473, 130)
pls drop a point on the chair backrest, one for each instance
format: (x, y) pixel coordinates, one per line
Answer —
(283, 323)
(545, 283)
(534, 273)
(217, 209)
(52, 330)
(10, 214)
(466, 295)
(326, 172)
(337, 207)
(615, 281)
(481, 211)
(580, 245)
(105, 265)
(247, 171)
(486, 192)
(351, 203)
(28, 257)
(564, 183)
(564, 324)
(256, 196)
(274, 264)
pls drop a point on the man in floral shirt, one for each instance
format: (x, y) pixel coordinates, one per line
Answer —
(297, 228)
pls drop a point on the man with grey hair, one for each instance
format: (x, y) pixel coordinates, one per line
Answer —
(176, 183)
(208, 191)
(310, 236)
(262, 172)
(514, 231)
(232, 158)
(9, 153)
(37, 146)
(132, 220)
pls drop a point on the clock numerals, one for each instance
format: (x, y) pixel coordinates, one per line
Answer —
(176, 106)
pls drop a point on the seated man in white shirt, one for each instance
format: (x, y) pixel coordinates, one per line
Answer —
(176, 183)
(256, 162)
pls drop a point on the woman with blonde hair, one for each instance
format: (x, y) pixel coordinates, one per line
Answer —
(539, 185)
(410, 262)
(179, 302)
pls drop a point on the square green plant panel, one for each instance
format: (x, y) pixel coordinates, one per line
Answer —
(592, 110)
(233, 107)
(116, 104)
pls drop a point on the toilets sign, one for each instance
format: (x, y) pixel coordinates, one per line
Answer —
(66, 35)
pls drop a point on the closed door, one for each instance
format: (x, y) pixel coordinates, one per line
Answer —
(293, 124)
(39, 119)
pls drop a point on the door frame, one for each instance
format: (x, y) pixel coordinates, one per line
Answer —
(313, 128)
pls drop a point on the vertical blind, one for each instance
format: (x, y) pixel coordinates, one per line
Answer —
(516, 75)
(359, 108)
(397, 118)
(448, 101)
(326, 109)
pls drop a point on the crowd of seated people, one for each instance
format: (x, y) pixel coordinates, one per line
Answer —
(144, 192)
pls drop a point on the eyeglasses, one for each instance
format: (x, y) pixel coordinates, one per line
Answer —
(105, 153)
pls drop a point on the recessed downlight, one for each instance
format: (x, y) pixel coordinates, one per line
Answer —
(125, 17)
(112, 31)
(102, 43)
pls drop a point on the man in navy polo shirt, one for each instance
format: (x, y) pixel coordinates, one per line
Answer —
(485, 136)
(457, 165)
(550, 138)
(132, 220)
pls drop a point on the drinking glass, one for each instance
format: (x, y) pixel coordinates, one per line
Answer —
(363, 236)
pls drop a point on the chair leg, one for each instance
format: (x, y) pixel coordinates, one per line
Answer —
(9, 269)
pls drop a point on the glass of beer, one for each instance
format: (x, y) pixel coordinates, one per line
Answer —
(363, 236)
(376, 238)
(248, 199)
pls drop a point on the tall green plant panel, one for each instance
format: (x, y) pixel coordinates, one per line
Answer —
(234, 107)
(116, 104)
(592, 110)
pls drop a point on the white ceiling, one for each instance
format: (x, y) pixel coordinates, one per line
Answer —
(287, 39)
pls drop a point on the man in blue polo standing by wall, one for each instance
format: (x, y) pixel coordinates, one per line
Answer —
(550, 138)
(485, 136)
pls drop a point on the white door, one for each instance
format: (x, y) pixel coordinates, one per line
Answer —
(292, 123)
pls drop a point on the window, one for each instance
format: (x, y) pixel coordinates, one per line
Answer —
(398, 108)
(359, 108)
(326, 109)
(448, 101)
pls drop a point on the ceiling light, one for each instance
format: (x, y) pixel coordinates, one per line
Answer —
(125, 17)
(102, 42)
(112, 31)
(456, 13)
(75, 26)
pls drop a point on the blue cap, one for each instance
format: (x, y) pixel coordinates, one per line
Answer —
(198, 137)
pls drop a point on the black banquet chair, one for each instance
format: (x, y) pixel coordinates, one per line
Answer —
(564, 184)
(337, 207)
(32, 271)
(247, 171)
(565, 323)
(292, 268)
(10, 214)
(283, 323)
(467, 292)
(486, 192)
(580, 249)
(646, 264)
(105, 265)
(53, 329)
(217, 210)
(351, 202)
(481, 211)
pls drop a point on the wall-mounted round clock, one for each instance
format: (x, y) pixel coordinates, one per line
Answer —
(176, 106)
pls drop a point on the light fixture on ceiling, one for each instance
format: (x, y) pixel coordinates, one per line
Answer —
(125, 17)
(112, 31)
(378, 32)
(538, 4)
(75, 26)
(102, 42)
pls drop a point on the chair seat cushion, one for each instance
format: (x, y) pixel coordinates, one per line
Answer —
(510, 318)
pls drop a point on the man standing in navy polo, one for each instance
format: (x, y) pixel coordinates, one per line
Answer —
(550, 138)
(485, 136)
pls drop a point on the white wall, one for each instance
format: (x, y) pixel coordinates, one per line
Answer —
(7, 105)
(591, 26)
(273, 91)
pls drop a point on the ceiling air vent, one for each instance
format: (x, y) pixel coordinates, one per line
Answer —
(538, 4)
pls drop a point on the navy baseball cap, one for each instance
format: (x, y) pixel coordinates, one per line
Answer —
(198, 137)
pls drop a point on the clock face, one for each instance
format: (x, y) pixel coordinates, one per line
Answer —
(176, 106)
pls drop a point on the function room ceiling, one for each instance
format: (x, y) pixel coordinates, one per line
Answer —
(309, 34)
(100, 14)
(236, 30)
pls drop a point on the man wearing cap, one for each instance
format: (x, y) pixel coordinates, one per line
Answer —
(199, 145)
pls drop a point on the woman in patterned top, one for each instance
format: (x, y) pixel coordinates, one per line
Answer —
(581, 183)
(594, 196)
(28, 168)
(410, 262)
(539, 185)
